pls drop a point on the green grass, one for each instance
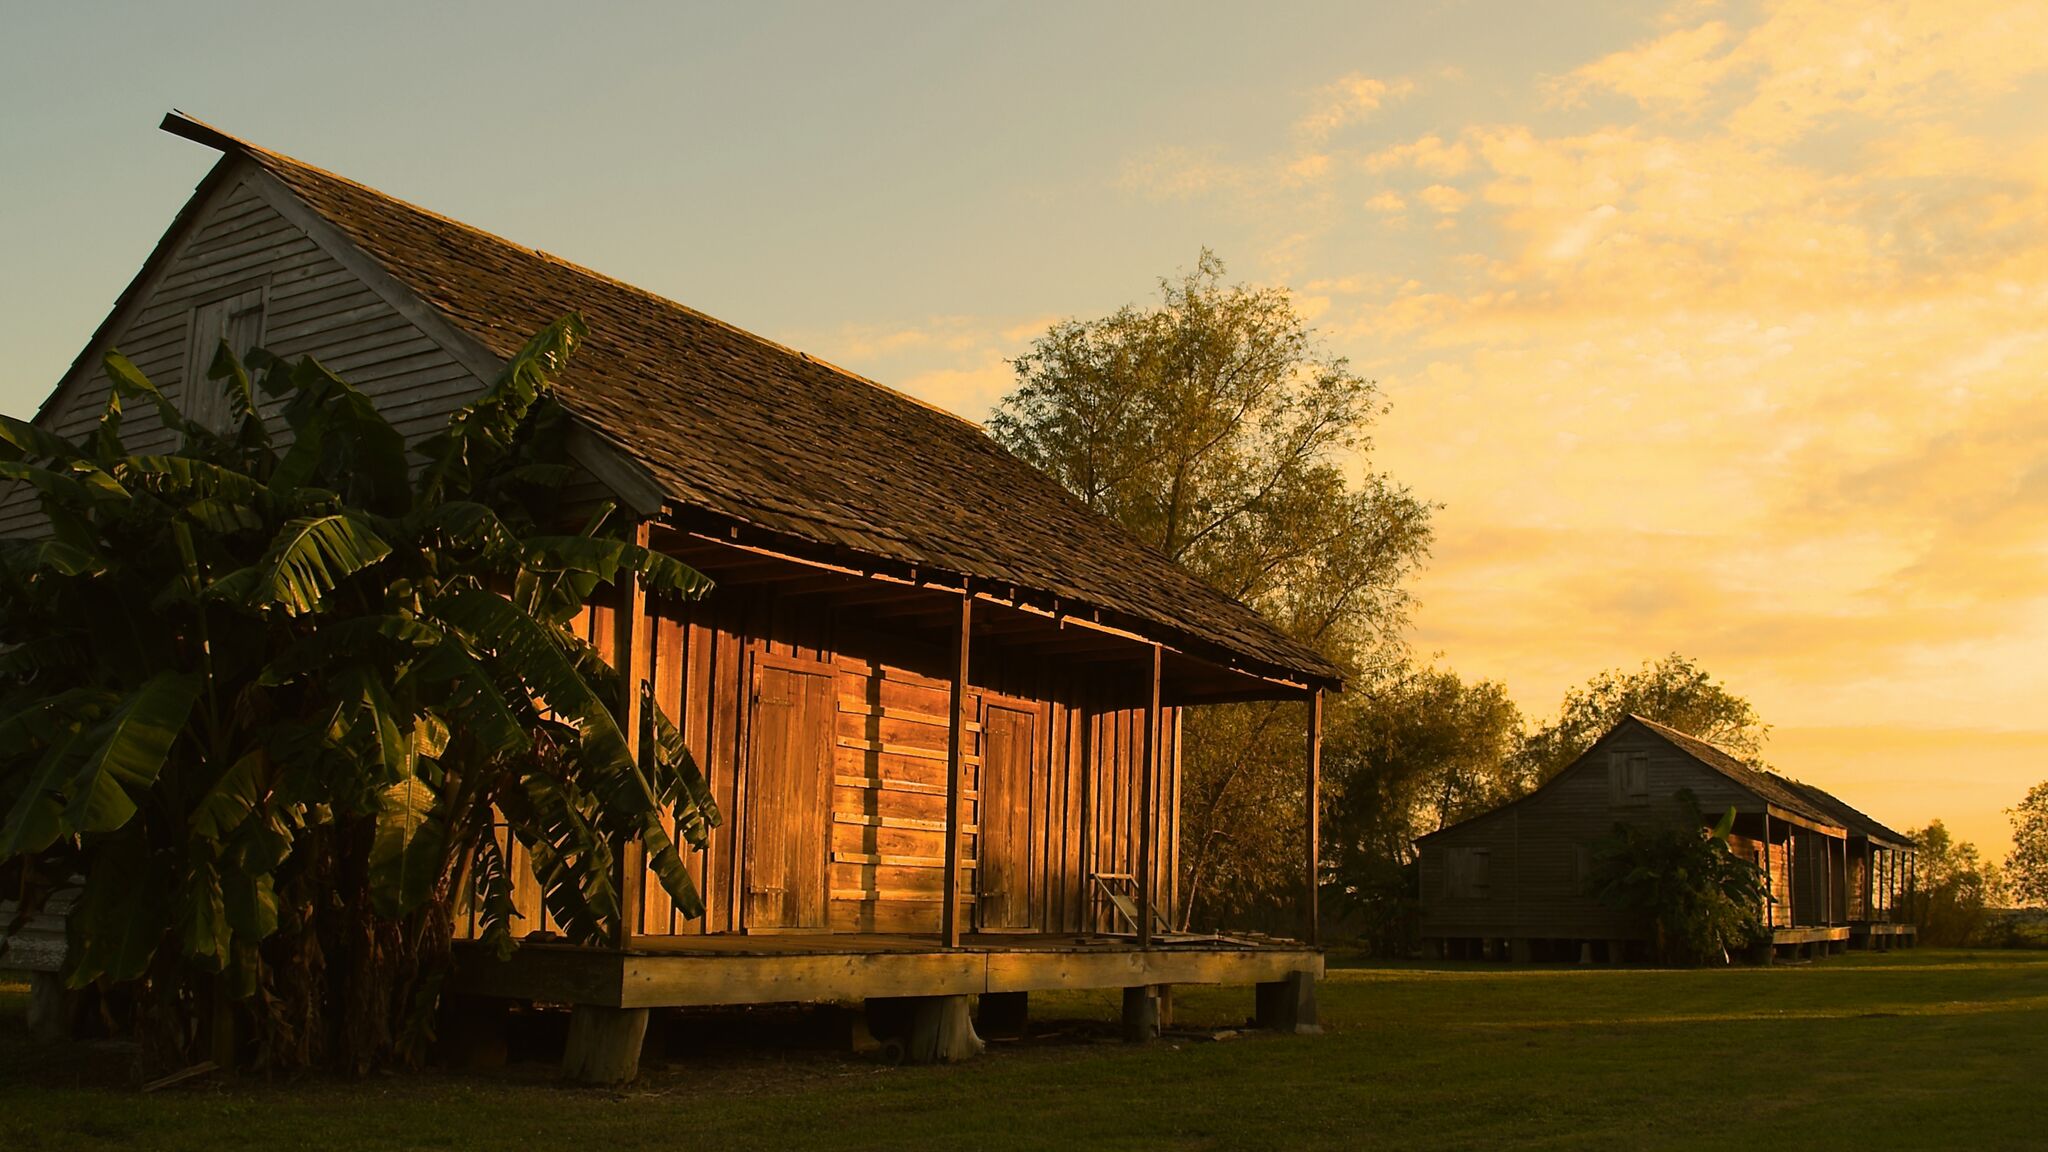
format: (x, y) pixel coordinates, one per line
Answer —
(1916, 1049)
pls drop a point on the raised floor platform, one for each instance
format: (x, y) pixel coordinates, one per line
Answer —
(1813, 935)
(702, 971)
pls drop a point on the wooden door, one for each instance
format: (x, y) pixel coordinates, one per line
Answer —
(789, 788)
(1008, 751)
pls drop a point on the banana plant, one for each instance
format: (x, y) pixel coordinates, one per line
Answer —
(272, 696)
(1682, 878)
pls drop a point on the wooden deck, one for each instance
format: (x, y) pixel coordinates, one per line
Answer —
(1815, 935)
(695, 971)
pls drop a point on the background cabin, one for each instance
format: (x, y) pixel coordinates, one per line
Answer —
(1511, 883)
(937, 699)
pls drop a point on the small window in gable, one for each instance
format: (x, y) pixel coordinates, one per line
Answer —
(1628, 774)
(237, 319)
(1466, 872)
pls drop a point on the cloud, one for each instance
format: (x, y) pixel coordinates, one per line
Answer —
(960, 363)
(1443, 198)
(1176, 174)
(1346, 101)
(1810, 63)
(1429, 155)
(1387, 202)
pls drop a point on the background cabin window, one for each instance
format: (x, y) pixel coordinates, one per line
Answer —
(1629, 774)
(1582, 866)
(1466, 872)
(237, 319)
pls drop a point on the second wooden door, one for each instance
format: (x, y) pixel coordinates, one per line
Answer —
(789, 788)
(1008, 742)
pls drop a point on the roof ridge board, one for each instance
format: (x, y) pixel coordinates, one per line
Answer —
(192, 128)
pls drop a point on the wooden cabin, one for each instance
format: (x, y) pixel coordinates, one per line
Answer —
(1511, 883)
(937, 699)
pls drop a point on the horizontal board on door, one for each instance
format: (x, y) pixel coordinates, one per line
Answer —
(909, 750)
(850, 706)
(865, 895)
(897, 861)
(897, 784)
(898, 822)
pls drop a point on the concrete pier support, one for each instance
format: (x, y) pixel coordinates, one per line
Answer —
(604, 1044)
(1288, 1005)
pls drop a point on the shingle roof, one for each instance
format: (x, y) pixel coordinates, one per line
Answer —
(1841, 813)
(744, 428)
(1768, 786)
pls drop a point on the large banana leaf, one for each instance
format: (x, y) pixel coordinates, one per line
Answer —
(118, 923)
(524, 647)
(409, 848)
(26, 441)
(129, 749)
(232, 798)
(309, 558)
(604, 560)
(202, 911)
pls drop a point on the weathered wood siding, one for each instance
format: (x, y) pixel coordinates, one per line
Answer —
(1536, 848)
(1068, 748)
(235, 244)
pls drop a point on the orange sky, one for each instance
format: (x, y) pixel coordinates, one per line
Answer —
(1716, 328)
(1729, 341)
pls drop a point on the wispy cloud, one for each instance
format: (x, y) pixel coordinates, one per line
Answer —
(1346, 101)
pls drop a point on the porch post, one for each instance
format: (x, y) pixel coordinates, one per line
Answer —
(1148, 793)
(1770, 893)
(956, 758)
(632, 658)
(1313, 796)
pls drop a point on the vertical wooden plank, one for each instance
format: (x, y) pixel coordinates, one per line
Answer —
(1173, 830)
(1770, 888)
(1313, 796)
(1148, 769)
(949, 915)
(664, 635)
(1084, 725)
(630, 657)
(728, 688)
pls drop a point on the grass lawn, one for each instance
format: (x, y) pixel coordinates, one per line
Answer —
(1917, 1049)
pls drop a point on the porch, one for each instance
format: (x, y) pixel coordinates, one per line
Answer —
(703, 971)
(913, 990)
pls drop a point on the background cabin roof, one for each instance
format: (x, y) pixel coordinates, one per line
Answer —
(1766, 786)
(1839, 812)
(741, 427)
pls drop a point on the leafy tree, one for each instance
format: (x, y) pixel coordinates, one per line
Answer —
(1701, 901)
(1428, 750)
(1215, 429)
(1953, 889)
(269, 694)
(2026, 869)
(1674, 691)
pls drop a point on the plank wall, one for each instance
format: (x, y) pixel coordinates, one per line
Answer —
(1073, 797)
(312, 306)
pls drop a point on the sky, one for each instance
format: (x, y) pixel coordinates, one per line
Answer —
(1713, 328)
